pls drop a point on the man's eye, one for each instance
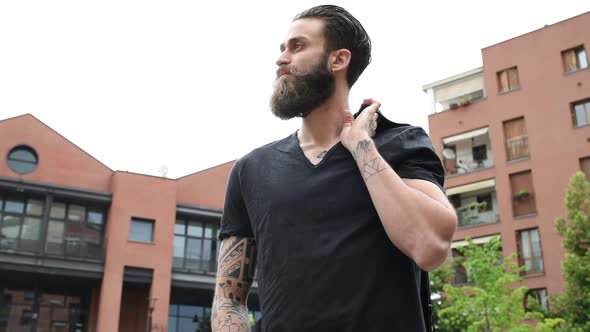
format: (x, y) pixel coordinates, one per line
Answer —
(298, 46)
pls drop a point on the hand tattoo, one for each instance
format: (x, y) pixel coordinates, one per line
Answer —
(367, 167)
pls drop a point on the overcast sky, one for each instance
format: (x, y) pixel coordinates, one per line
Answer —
(186, 84)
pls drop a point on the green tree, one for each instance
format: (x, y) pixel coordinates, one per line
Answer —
(490, 302)
(574, 303)
(438, 278)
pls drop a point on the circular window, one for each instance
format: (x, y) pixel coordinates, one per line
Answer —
(22, 159)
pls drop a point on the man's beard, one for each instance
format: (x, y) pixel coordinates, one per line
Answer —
(298, 95)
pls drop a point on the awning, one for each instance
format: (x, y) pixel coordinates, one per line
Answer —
(477, 240)
(463, 136)
(471, 187)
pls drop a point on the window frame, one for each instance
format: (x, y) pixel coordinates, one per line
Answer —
(576, 52)
(534, 259)
(207, 266)
(152, 224)
(84, 222)
(10, 159)
(22, 216)
(514, 86)
(586, 105)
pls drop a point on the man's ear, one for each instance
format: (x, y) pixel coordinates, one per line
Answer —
(340, 60)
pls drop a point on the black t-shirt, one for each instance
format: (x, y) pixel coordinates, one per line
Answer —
(325, 262)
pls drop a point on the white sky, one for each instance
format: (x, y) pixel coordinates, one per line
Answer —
(186, 84)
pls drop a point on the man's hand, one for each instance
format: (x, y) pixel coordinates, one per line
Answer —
(358, 132)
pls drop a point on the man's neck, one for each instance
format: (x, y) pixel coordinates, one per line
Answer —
(322, 127)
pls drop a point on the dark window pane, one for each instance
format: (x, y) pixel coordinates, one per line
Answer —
(10, 230)
(179, 227)
(30, 234)
(207, 249)
(193, 253)
(21, 166)
(172, 324)
(186, 324)
(58, 210)
(35, 207)
(14, 206)
(208, 231)
(178, 258)
(95, 217)
(141, 230)
(31, 229)
(189, 311)
(173, 310)
(91, 234)
(195, 228)
(76, 212)
(55, 232)
(23, 155)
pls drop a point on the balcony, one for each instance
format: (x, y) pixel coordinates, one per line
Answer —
(475, 203)
(467, 152)
(456, 91)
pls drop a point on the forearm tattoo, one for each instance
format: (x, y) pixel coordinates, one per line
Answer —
(235, 273)
(368, 166)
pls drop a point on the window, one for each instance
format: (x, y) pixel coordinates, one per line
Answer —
(536, 298)
(22, 159)
(581, 113)
(183, 317)
(585, 167)
(461, 276)
(529, 251)
(20, 222)
(142, 230)
(508, 80)
(195, 245)
(517, 140)
(574, 59)
(75, 229)
(479, 153)
(523, 194)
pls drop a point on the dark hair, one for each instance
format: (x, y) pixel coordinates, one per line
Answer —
(342, 30)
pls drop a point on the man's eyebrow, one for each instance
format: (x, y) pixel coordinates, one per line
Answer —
(292, 41)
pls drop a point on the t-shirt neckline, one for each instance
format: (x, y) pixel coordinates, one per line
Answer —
(301, 154)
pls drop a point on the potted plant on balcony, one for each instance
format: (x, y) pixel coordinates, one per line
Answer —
(465, 100)
(521, 194)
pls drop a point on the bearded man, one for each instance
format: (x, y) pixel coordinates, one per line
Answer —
(344, 216)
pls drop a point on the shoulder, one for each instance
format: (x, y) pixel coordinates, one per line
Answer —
(265, 153)
(402, 136)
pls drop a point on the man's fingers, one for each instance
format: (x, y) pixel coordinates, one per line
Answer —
(347, 121)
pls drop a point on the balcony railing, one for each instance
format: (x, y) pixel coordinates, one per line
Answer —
(471, 216)
(194, 265)
(67, 249)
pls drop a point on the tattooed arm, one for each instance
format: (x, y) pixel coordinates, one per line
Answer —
(235, 273)
(416, 214)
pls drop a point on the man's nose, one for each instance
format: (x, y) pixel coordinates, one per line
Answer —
(283, 59)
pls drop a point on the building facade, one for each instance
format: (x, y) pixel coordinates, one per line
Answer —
(511, 134)
(86, 248)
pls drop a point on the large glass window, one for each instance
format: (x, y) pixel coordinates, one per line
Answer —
(75, 230)
(20, 222)
(195, 245)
